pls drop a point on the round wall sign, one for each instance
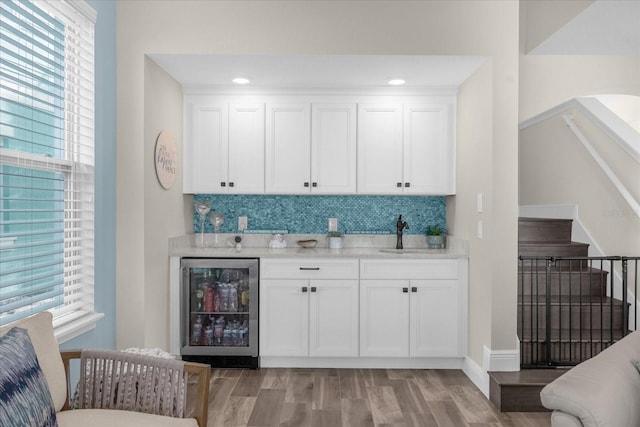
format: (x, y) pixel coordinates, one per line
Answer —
(166, 159)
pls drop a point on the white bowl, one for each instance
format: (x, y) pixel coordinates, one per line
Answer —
(311, 243)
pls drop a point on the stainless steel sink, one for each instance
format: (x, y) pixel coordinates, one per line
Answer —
(404, 251)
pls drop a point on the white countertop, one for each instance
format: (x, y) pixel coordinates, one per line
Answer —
(355, 246)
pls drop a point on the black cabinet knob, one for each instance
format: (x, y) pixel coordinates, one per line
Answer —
(305, 289)
(414, 289)
(231, 184)
(306, 184)
(223, 184)
(315, 184)
(407, 184)
(313, 289)
(399, 184)
(405, 290)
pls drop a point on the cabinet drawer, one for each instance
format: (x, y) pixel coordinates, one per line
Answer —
(409, 269)
(316, 268)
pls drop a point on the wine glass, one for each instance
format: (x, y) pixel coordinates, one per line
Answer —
(203, 208)
(216, 219)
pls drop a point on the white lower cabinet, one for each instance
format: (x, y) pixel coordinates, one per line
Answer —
(309, 317)
(373, 308)
(422, 317)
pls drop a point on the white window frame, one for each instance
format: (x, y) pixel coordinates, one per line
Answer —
(77, 314)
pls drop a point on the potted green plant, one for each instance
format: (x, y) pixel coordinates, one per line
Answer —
(436, 237)
(335, 240)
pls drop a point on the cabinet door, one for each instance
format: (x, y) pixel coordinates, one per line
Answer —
(246, 149)
(284, 317)
(379, 149)
(428, 149)
(333, 318)
(384, 318)
(205, 160)
(288, 148)
(333, 149)
(435, 319)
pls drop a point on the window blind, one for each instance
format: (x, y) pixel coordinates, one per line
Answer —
(46, 159)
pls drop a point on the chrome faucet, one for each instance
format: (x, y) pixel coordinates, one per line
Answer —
(400, 225)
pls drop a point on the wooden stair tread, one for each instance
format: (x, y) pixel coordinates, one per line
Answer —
(520, 391)
(528, 377)
(575, 300)
(563, 336)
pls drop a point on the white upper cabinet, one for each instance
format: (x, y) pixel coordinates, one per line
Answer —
(311, 149)
(405, 149)
(428, 149)
(312, 145)
(246, 149)
(333, 149)
(380, 149)
(288, 148)
(205, 147)
(223, 147)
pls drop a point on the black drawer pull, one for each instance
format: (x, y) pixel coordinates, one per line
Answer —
(405, 290)
(309, 268)
(305, 289)
(414, 289)
(313, 289)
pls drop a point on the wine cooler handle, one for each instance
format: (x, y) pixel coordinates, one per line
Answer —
(310, 268)
(304, 289)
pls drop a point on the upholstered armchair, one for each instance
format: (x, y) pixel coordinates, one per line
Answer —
(115, 388)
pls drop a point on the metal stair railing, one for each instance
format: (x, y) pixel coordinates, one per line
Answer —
(572, 308)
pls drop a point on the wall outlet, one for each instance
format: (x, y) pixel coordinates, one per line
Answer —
(242, 223)
(333, 224)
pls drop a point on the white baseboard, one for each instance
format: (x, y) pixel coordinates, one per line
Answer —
(501, 360)
(492, 360)
(477, 375)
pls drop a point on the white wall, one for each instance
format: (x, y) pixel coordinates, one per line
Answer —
(555, 169)
(474, 172)
(550, 80)
(488, 28)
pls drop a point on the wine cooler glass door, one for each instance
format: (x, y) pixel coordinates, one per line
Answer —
(220, 307)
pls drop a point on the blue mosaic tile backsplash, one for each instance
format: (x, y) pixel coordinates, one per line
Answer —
(309, 214)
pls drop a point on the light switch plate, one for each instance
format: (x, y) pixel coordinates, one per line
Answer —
(333, 224)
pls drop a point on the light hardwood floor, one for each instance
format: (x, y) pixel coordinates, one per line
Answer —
(355, 397)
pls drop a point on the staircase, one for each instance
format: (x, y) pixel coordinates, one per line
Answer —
(584, 320)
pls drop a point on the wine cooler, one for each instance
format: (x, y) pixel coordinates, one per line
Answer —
(219, 311)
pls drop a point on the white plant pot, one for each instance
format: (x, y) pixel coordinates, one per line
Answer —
(436, 242)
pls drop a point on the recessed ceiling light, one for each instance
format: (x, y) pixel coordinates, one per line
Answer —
(396, 82)
(240, 81)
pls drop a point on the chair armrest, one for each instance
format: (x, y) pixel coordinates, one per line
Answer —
(67, 356)
(201, 371)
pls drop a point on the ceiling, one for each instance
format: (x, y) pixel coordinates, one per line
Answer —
(318, 71)
(606, 27)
